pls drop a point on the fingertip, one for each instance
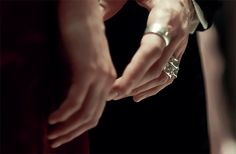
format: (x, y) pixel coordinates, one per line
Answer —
(137, 99)
(116, 93)
(117, 98)
(120, 96)
(51, 122)
(51, 137)
(112, 95)
(52, 119)
(55, 145)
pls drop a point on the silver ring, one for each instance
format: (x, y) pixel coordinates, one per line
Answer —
(171, 68)
(160, 31)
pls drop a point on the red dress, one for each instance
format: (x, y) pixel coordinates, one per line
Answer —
(34, 77)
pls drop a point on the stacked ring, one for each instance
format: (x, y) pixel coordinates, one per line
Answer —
(172, 68)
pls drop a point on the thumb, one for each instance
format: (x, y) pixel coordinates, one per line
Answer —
(110, 7)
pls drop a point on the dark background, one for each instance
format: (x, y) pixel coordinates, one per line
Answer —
(172, 121)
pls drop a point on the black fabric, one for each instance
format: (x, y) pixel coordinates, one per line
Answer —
(209, 8)
(172, 121)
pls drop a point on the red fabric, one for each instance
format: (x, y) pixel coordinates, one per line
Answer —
(34, 77)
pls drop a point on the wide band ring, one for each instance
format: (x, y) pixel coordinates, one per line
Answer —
(159, 30)
(171, 68)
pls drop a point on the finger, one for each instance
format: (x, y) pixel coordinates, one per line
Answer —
(179, 53)
(85, 126)
(175, 49)
(151, 84)
(112, 94)
(156, 69)
(148, 53)
(83, 115)
(68, 137)
(90, 106)
(73, 102)
(151, 92)
(105, 89)
(150, 50)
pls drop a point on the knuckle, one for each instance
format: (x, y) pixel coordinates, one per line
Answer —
(107, 72)
(92, 68)
(111, 76)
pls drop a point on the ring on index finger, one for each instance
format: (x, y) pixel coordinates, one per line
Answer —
(159, 30)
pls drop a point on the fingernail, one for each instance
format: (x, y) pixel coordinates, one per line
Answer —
(118, 96)
(137, 100)
(55, 145)
(115, 99)
(112, 95)
(140, 98)
(52, 136)
(51, 122)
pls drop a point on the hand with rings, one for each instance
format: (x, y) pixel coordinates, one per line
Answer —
(156, 63)
(154, 66)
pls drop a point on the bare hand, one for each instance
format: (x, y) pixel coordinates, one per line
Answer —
(143, 77)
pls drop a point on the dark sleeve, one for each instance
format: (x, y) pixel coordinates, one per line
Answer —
(209, 8)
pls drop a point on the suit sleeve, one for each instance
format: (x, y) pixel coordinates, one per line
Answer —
(208, 9)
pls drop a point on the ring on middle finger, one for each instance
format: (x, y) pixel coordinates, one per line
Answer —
(171, 68)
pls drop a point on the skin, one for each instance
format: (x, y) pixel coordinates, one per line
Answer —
(143, 76)
(93, 73)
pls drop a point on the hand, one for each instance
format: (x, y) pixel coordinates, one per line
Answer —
(143, 77)
(92, 71)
